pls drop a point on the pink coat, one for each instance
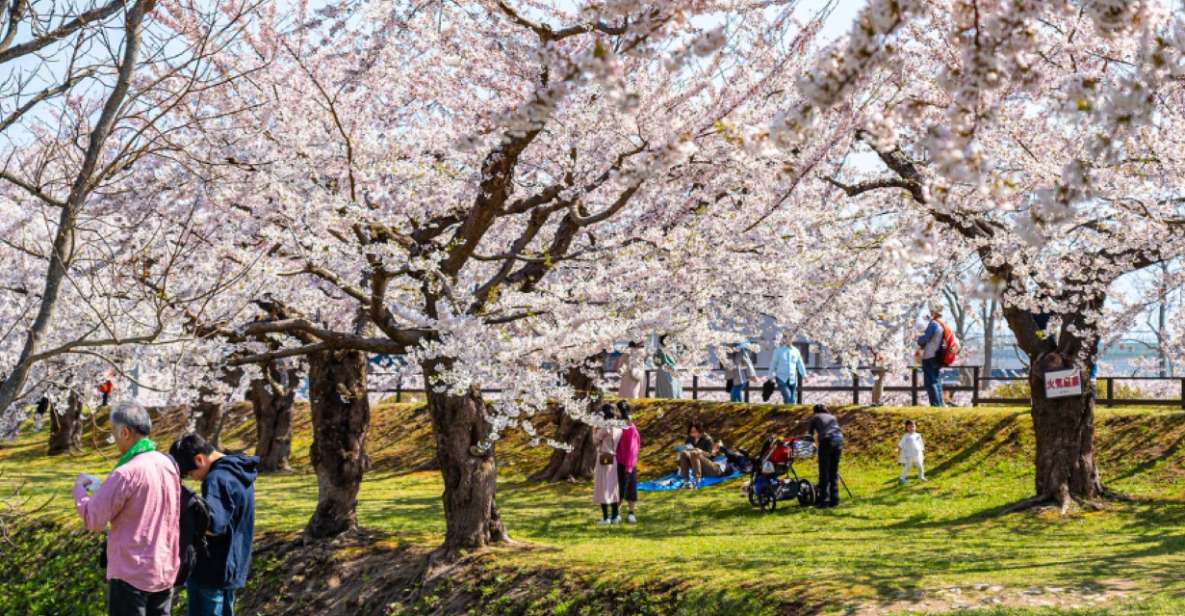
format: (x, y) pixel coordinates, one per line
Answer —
(605, 489)
(628, 447)
(142, 502)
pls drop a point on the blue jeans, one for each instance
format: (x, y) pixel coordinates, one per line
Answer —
(788, 391)
(932, 374)
(737, 394)
(206, 601)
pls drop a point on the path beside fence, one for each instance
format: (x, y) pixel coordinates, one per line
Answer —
(861, 384)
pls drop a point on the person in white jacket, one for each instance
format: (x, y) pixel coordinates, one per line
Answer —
(911, 451)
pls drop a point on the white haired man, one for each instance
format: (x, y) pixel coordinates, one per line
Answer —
(141, 501)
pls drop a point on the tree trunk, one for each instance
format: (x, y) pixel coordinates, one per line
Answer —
(341, 416)
(1064, 428)
(65, 433)
(208, 421)
(271, 404)
(210, 410)
(989, 336)
(470, 511)
(578, 463)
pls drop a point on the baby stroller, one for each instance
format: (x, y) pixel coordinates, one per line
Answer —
(767, 485)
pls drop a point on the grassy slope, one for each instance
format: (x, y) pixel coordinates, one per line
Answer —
(891, 549)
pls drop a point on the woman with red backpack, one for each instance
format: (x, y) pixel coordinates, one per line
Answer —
(930, 352)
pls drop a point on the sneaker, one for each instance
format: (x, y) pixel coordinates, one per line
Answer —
(921, 478)
(604, 522)
(616, 520)
(900, 482)
(631, 519)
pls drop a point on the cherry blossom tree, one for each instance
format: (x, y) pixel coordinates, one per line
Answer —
(497, 191)
(97, 201)
(1045, 140)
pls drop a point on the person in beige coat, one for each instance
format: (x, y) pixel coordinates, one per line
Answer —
(605, 492)
(632, 368)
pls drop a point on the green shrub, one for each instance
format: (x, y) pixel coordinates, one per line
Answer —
(51, 568)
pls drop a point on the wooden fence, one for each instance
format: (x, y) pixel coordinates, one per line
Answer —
(860, 387)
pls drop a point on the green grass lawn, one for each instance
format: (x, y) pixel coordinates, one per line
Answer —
(937, 546)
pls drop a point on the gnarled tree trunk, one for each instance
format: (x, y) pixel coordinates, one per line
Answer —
(65, 433)
(271, 403)
(578, 463)
(471, 514)
(1064, 428)
(341, 415)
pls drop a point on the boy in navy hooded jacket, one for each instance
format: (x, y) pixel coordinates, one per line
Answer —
(228, 487)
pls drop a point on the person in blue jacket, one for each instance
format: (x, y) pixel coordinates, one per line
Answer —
(228, 487)
(929, 344)
(787, 369)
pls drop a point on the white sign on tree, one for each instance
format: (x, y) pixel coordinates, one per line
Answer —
(1063, 384)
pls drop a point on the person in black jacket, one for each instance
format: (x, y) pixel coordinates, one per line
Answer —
(228, 486)
(829, 441)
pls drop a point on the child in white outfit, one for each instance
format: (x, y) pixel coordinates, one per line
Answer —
(911, 451)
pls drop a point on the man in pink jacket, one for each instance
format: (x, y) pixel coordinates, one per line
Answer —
(141, 500)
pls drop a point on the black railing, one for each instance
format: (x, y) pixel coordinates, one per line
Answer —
(863, 384)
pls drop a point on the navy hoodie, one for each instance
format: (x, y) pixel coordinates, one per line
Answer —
(229, 490)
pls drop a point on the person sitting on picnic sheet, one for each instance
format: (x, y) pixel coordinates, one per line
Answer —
(696, 455)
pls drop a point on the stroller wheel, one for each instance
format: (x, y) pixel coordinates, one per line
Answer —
(769, 502)
(754, 497)
(806, 493)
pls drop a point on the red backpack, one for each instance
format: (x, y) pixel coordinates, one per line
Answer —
(948, 351)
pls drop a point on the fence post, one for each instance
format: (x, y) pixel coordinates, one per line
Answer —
(802, 384)
(646, 384)
(856, 388)
(1110, 391)
(746, 392)
(399, 391)
(975, 386)
(1183, 392)
(913, 386)
(694, 387)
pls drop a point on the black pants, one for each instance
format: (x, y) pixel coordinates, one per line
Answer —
(828, 488)
(123, 599)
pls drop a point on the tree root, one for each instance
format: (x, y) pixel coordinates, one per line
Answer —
(1067, 503)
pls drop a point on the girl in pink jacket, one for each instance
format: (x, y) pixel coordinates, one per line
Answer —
(627, 462)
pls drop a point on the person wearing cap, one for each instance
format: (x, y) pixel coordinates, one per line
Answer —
(228, 487)
(141, 501)
(829, 443)
(738, 369)
(787, 369)
(928, 344)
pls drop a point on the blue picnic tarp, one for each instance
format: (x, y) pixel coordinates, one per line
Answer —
(674, 482)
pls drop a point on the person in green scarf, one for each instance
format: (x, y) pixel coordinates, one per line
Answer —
(141, 502)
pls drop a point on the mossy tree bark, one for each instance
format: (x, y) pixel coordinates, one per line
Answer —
(341, 416)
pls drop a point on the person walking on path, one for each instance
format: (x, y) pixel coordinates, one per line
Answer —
(911, 451)
(632, 368)
(739, 370)
(829, 443)
(141, 500)
(605, 489)
(787, 369)
(667, 383)
(929, 344)
(628, 447)
(228, 487)
(105, 391)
